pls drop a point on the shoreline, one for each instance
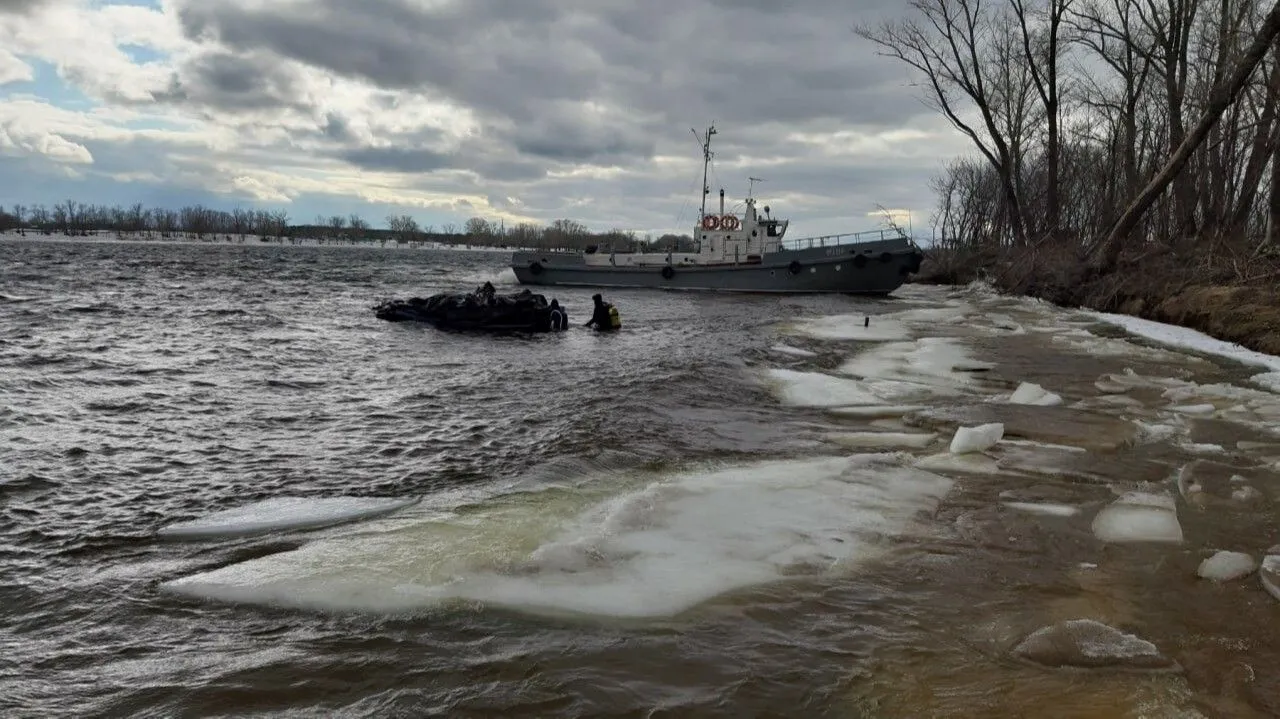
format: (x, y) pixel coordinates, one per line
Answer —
(1216, 316)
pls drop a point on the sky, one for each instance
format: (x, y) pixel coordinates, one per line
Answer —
(510, 110)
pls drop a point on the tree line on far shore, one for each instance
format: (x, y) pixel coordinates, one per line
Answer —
(197, 222)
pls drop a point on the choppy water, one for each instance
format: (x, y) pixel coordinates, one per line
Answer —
(649, 523)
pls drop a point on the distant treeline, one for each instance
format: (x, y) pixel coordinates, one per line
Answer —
(198, 222)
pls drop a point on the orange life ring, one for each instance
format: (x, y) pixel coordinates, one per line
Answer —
(710, 222)
(729, 222)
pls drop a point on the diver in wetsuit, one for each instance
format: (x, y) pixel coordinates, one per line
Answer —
(604, 316)
(559, 318)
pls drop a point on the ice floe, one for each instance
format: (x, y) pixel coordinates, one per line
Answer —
(284, 514)
(1044, 508)
(1226, 566)
(938, 365)
(625, 547)
(876, 410)
(882, 440)
(792, 351)
(818, 389)
(976, 439)
(948, 463)
(1139, 517)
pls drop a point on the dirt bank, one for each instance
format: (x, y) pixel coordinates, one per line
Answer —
(1219, 294)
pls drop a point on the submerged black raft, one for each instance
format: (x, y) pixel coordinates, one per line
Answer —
(522, 311)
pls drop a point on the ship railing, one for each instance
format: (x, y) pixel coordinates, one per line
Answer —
(846, 238)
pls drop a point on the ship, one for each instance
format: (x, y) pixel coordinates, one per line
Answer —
(732, 253)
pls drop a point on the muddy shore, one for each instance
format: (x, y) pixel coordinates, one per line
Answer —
(1225, 298)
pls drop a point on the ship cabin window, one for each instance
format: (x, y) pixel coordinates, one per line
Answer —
(771, 228)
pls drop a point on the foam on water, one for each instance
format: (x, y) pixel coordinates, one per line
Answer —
(646, 549)
(282, 514)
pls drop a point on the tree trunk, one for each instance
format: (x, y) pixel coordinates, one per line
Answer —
(1109, 251)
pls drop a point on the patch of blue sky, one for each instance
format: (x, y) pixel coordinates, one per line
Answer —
(48, 86)
(141, 54)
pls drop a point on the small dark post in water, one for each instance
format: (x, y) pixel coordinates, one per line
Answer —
(866, 321)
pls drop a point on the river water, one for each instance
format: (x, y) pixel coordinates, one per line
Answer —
(736, 506)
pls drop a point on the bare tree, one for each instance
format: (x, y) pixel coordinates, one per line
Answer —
(1223, 95)
(945, 46)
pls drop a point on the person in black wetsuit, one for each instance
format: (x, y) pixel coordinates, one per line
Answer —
(559, 318)
(600, 315)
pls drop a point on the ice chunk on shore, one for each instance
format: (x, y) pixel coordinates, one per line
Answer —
(1087, 643)
(1139, 517)
(1034, 394)
(283, 514)
(1226, 566)
(976, 439)
(1189, 339)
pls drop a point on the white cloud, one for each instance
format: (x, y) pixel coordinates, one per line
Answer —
(12, 69)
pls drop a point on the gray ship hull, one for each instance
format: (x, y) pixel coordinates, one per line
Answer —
(871, 268)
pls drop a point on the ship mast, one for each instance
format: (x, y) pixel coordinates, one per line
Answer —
(705, 140)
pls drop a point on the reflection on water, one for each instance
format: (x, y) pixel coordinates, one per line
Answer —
(738, 506)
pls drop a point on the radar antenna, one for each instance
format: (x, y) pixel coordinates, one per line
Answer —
(705, 141)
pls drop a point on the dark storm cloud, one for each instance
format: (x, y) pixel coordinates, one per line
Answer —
(227, 81)
(20, 6)
(396, 159)
(509, 61)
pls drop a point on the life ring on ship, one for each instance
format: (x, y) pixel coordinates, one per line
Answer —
(535, 267)
(729, 222)
(795, 267)
(886, 258)
(860, 261)
(668, 272)
(710, 222)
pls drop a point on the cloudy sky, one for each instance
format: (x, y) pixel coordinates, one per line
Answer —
(514, 110)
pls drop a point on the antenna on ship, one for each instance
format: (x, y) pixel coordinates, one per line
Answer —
(705, 141)
(751, 183)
